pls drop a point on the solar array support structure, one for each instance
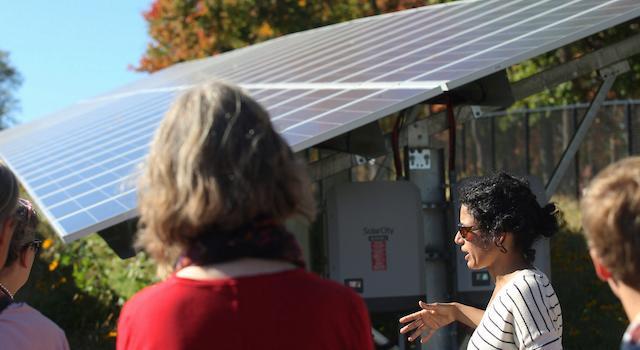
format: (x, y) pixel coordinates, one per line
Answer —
(548, 79)
(80, 164)
(608, 76)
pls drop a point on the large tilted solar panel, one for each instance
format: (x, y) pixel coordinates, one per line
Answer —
(85, 181)
(449, 43)
(80, 164)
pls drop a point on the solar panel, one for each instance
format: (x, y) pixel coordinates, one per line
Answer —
(80, 164)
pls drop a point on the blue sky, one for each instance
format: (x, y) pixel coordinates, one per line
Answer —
(70, 50)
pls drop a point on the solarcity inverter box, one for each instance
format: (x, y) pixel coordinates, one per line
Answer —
(376, 243)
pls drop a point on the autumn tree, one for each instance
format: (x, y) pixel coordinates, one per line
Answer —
(9, 81)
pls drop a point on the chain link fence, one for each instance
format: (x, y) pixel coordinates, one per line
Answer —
(532, 141)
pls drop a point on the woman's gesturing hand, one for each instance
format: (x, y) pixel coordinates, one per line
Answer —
(428, 320)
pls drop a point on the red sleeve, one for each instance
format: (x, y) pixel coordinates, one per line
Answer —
(122, 340)
(362, 324)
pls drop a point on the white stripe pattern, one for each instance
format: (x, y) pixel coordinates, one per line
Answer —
(525, 314)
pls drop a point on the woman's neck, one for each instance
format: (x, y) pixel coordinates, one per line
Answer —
(11, 280)
(237, 268)
(503, 268)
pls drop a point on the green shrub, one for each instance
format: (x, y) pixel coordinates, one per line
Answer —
(82, 286)
(592, 316)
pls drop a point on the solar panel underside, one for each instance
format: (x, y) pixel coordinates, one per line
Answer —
(80, 164)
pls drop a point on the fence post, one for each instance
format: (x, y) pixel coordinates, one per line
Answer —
(464, 148)
(628, 117)
(576, 158)
(493, 144)
(527, 136)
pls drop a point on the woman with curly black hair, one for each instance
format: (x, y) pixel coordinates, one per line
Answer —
(500, 219)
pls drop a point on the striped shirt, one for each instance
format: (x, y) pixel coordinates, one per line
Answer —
(631, 338)
(525, 314)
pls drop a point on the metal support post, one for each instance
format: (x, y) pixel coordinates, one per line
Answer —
(493, 144)
(527, 137)
(576, 163)
(609, 75)
(426, 170)
(463, 146)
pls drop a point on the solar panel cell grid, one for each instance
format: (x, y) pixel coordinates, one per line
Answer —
(92, 136)
(344, 115)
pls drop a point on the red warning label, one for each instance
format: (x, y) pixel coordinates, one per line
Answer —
(378, 253)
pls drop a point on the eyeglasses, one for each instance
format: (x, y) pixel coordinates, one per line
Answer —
(36, 244)
(467, 232)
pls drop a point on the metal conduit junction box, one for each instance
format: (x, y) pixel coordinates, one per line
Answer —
(376, 243)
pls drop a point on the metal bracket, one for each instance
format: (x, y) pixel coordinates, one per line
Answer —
(615, 69)
(419, 158)
(359, 160)
(609, 75)
(417, 131)
(476, 111)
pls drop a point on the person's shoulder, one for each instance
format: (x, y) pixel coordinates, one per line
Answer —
(25, 310)
(151, 294)
(631, 337)
(531, 277)
(316, 284)
(536, 273)
(629, 346)
(319, 281)
(36, 319)
(529, 283)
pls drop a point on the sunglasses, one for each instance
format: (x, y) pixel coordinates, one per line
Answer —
(36, 244)
(25, 211)
(467, 232)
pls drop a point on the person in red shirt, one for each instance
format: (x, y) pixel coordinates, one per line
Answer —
(217, 188)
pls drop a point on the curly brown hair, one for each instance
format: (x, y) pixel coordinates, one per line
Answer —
(216, 163)
(611, 219)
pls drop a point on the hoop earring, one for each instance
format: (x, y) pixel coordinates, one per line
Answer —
(498, 244)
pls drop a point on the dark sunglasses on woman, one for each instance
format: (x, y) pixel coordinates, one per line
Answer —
(467, 232)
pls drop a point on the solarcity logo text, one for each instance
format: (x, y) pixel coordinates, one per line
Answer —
(382, 230)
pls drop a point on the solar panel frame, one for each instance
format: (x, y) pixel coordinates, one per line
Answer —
(548, 46)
